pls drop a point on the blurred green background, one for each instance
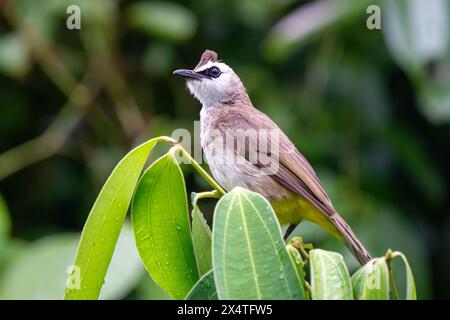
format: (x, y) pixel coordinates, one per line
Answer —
(370, 109)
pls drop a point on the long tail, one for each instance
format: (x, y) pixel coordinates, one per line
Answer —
(350, 239)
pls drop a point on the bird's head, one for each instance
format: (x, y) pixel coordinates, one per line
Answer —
(213, 82)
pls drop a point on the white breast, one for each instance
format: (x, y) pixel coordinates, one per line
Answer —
(232, 170)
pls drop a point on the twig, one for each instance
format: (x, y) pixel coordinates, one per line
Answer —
(178, 148)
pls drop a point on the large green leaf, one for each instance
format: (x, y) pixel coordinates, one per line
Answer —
(38, 270)
(204, 289)
(105, 220)
(371, 282)
(330, 279)
(201, 239)
(161, 227)
(249, 256)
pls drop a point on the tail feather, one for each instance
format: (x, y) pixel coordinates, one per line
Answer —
(351, 240)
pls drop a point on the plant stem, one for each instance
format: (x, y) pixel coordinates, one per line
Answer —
(203, 195)
(389, 257)
(199, 169)
(308, 290)
(297, 242)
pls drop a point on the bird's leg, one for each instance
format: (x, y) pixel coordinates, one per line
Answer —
(289, 230)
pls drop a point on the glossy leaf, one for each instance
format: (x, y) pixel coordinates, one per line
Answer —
(105, 221)
(204, 289)
(161, 227)
(249, 256)
(201, 239)
(371, 282)
(330, 279)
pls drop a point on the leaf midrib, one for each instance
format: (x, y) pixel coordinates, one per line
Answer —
(250, 251)
(273, 241)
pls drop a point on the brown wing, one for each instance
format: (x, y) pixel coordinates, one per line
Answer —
(294, 172)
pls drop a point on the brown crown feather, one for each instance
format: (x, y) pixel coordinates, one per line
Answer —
(208, 55)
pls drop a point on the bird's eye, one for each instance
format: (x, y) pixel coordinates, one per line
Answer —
(214, 72)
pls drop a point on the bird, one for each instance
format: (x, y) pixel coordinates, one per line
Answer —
(237, 152)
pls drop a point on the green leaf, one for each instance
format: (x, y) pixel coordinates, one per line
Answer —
(201, 239)
(204, 289)
(330, 279)
(371, 282)
(166, 20)
(39, 269)
(105, 220)
(161, 227)
(249, 256)
(297, 260)
(410, 284)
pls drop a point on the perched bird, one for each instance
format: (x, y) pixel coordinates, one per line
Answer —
(263, 159)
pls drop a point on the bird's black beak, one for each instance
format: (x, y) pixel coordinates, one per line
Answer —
(189, 74)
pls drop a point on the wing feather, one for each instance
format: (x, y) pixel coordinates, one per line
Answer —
(294, 171)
